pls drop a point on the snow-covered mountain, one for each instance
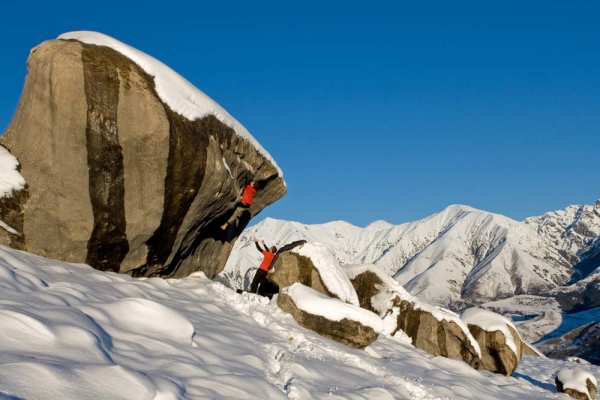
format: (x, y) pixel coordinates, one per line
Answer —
(458, 255)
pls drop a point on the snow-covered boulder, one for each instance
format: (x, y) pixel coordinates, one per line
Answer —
(13, 194)
(500, 343)
(128, 165)
(313, 265)
(577, 383)
(437, 331)
(329, 317)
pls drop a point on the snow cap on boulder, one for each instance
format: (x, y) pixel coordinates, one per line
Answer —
(577, 383)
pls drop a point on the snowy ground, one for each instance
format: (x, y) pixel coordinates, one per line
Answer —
(71, 332)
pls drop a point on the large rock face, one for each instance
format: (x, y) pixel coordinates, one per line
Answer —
(435, 331)
(116, 177)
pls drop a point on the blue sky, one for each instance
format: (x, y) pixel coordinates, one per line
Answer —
(381, 110)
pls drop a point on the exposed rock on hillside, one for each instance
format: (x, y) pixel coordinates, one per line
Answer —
(120, 179)
(579, 342)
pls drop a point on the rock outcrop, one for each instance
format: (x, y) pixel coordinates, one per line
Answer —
(577, 383)
(330, 317)
(499, 341)
(118, 178)
(436, 331)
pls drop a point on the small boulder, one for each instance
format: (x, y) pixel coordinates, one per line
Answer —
(500, 343)
(313, 265)
(530, 350)
(436, 331)
(577, 383)
(345, 323)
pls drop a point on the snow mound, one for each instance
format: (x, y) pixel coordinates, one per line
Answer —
(313, 302)
(114, 381)
(10, 178)
(37, 333)
(575, 378)
(332, 274)
(490, 322)
(179, 94)
(143, 317)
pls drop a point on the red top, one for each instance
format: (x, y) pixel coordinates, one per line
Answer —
(248, 194)
(266, 263)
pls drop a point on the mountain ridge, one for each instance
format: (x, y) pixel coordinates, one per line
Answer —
(457, 257)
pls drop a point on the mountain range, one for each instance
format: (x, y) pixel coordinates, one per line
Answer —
(458, 257)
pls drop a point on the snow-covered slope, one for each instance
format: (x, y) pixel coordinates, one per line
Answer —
(72, 332)
(458, 255)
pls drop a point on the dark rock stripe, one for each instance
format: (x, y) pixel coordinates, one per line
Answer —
(186, 165)
(108, 243)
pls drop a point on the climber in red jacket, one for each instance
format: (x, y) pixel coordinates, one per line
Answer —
(244, 203)
(261, 274)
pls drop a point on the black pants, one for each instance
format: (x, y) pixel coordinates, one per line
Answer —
(260, 278)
